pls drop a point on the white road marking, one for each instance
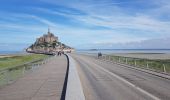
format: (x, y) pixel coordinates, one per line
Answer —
(129, 83)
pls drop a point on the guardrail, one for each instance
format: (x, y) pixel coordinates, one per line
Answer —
(9, 75)
(162, 66)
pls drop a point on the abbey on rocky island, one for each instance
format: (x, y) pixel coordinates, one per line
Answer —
(48, 43)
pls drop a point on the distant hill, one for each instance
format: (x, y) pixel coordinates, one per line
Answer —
(48, 43)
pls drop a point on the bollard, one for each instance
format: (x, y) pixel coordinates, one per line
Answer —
(164, 68)
(119, 59)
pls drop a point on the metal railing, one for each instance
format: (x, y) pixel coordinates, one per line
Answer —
(10, 75)
(162, 66)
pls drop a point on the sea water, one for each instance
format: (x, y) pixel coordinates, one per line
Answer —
(10, 52)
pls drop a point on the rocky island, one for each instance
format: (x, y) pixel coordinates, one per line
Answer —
(48, 44)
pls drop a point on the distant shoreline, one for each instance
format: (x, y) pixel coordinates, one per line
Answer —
(117, 49)
(126, 51)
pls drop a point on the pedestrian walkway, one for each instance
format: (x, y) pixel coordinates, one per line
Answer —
(45, 83)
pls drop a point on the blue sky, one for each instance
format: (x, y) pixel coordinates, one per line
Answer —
(86, 23)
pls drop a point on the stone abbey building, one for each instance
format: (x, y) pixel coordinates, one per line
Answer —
(47, 38)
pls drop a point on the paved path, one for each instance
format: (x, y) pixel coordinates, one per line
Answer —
(102, 80)
(45, 83)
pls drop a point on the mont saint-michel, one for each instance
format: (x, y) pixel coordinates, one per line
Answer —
(48, 43)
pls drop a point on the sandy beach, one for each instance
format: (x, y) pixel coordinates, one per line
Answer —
(145, 55)
(4, 56)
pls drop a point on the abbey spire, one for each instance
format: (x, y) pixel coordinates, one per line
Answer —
(48, 30)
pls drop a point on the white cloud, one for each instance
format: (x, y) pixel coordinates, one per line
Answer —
(107, 14)
(114, 17)
(159, 43)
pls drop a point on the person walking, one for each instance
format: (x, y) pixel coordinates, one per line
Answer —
(99, 54)
(59, 53)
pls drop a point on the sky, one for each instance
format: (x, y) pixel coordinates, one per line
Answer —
(86, 24)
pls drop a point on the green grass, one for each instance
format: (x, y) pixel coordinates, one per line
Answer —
(9, 62)
(10, 76)
(152, 64)
(12, 72)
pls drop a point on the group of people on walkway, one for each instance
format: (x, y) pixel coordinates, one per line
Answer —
(60, 53)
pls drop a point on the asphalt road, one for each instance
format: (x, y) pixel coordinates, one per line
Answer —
(107, 81)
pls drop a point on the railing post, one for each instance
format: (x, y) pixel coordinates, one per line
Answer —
(135, 62)
(33, 66)
(126, 60)
(23, 70)
(147, 65)
(46, 60)
(164, 68)
(7, 76)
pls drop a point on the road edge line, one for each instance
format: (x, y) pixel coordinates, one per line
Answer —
(129, 83)
(158, 74)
